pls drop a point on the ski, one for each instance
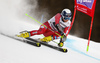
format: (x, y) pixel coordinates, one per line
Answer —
(37, 44)
(51, 46)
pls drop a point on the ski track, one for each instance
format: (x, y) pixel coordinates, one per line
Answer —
(72, 47)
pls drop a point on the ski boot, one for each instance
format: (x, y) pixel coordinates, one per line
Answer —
(24, 34)
(46, 39)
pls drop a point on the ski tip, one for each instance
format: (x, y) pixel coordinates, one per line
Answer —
(17, 35)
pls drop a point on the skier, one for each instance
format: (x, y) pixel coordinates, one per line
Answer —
(57, 25)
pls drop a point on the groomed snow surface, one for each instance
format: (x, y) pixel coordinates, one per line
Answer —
(13, 51)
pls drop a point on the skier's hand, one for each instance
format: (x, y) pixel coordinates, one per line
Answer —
(24, 34)
(62, 40)
(63, 37)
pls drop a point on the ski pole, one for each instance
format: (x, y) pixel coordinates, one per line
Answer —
(43, 25)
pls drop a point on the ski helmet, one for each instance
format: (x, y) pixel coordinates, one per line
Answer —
(66, 14)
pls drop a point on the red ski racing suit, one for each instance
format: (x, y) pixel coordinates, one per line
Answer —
(56, 24)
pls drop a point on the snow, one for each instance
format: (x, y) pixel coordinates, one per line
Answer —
(13, 51)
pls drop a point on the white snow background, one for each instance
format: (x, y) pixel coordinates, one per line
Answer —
(13, 20)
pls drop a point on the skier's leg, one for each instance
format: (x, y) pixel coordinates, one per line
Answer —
(41, 30)
(56, 36)
(49, 36)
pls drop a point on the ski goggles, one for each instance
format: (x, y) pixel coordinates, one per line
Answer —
(67, 15)
(67, 18)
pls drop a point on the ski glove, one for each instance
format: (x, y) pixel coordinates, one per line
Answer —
(63, 37)
(62, 40)
(24, 34)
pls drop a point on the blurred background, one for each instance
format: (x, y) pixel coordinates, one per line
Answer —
(82, 22)
(15, 10)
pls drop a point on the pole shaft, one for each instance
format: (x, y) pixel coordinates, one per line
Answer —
(90, 34)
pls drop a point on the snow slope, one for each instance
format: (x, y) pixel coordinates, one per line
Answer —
(13, 51)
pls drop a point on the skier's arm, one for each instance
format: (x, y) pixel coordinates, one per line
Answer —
(63, 38)
(57, 25)
(59, 28)
(61, 31)
(57, 18)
